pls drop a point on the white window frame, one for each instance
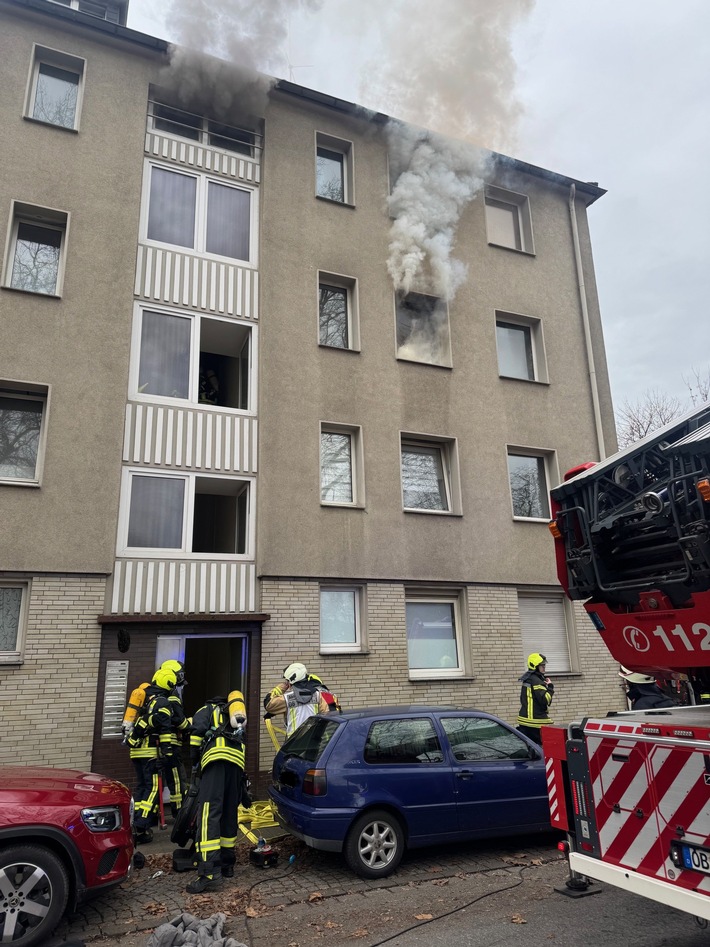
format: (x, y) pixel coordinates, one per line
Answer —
(30, 392)
(536, 641)
(188, 513)
(457, 598)
(118, 5)
(360, 644)
(447, 361)
(345, 148)
(549, 458)
(47, 218)
(350, 285)
(448, 450)
(204, 132)
(44, 55)
(196, 320)
(357, 465)
(519, 205)
(537, 344)
(200, 232)
(17, 656)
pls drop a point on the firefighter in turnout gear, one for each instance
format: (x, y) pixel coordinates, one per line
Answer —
(643, 692)
(297, 696)
(162, 719)
(217, 752)
(535, 698)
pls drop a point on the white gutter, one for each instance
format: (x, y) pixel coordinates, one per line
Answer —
(585, 322)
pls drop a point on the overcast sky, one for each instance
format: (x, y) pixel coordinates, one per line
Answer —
(613, 91)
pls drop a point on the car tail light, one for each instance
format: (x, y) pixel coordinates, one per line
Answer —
(315, 783)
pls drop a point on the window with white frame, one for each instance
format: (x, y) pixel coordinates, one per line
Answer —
(429, 474)
(112, 11)
(423, 329)
(35, 260)
(521, 352)
(200, 214)
(22, 420)
(545, 619)
(190, 357)
(341, 475)
(54, 93)
(529, 483)
(508, 219)
(334, 171)
(341, 609)
(337, 312)
(183, 124)
(434, 634)
(13, 608)
(171, 514)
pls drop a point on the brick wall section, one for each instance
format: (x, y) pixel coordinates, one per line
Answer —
(380, 676)
(47, 704)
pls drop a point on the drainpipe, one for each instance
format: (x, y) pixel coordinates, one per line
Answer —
(585, 322)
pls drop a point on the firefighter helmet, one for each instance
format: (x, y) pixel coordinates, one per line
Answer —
(295, 673)
(535, 660)
(179, 669)
(633, 677)
(165, 678)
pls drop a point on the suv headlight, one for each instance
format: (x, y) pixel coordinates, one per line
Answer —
(103, 819)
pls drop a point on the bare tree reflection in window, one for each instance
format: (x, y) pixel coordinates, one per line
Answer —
(336, 485)
(330, 180)
(10, 603)
(528, 486)
(333, 315)
(56, 96)
(423, 484)
(36, 264)
(20, 423)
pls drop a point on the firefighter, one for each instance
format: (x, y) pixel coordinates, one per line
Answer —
(643, 692)
(536, 693)
(297, 697)
(217, 753)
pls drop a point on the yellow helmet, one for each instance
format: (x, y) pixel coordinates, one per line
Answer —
(177, 667)
(535, 660)
(165, 678)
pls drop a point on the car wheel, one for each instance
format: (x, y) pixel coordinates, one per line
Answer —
(375, 844)
(34, 887)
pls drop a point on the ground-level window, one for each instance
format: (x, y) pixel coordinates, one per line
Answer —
(22, 416)
(13, 607)
(341, 618)
(529, 484)
(434, 635)
(545, 620)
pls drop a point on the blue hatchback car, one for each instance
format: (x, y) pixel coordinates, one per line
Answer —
(371, 782)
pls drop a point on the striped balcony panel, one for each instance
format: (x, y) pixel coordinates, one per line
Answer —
(179, 279)
(181, 587)
(189, 439)
(189, 155)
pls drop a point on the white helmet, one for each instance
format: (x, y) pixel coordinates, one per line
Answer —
(634, 678)
(295, 673)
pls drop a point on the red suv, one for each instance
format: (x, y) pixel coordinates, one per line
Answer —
(64, 837)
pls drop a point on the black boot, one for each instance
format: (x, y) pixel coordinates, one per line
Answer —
(201, 884)
(142, 838)
(227, 871)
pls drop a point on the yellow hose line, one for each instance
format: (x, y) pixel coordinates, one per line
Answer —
(276, 733)
(259, 815)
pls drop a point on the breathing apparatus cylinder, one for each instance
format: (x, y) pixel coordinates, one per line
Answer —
(134, 707)
(237, 710)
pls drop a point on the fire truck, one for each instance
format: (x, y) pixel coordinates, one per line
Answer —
(632, 789)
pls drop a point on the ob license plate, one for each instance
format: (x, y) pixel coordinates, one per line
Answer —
(696, 858)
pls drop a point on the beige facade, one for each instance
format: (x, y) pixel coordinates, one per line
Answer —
(153, 518)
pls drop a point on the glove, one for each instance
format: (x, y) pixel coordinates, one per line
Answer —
(268, 716)
(246, 799)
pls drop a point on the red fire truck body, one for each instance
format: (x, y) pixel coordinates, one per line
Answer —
(632, 789)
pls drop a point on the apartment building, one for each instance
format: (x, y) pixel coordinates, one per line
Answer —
(225, 434)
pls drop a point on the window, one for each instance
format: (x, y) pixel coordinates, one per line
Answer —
(195, 212)
(423, 329)
(22, 413)
(309, 741)
(54, 95)
(337, 312)
(193, 358)
(544, 623)
(334, 178)
(36, 250)
(403, 741)
(113, 12)
(480, 739)
(186, 514)
(176, 121)
(341, 618)
(434, 635)
(508, 220)
(430, 480)
(521, 352)
(341, 473)
(13, 607)
(528, 477)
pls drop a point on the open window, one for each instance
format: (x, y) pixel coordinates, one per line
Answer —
(338, 325)
(171, 120)
(423, 329)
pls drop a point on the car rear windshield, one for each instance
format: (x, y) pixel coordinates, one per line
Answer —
(309, 741)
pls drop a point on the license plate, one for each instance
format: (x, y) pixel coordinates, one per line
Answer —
(698, 859)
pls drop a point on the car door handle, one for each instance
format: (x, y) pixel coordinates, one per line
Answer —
(464, 774)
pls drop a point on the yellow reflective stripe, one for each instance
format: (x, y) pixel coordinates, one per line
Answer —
(227, 842)
(195, 740)
(231, 755)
